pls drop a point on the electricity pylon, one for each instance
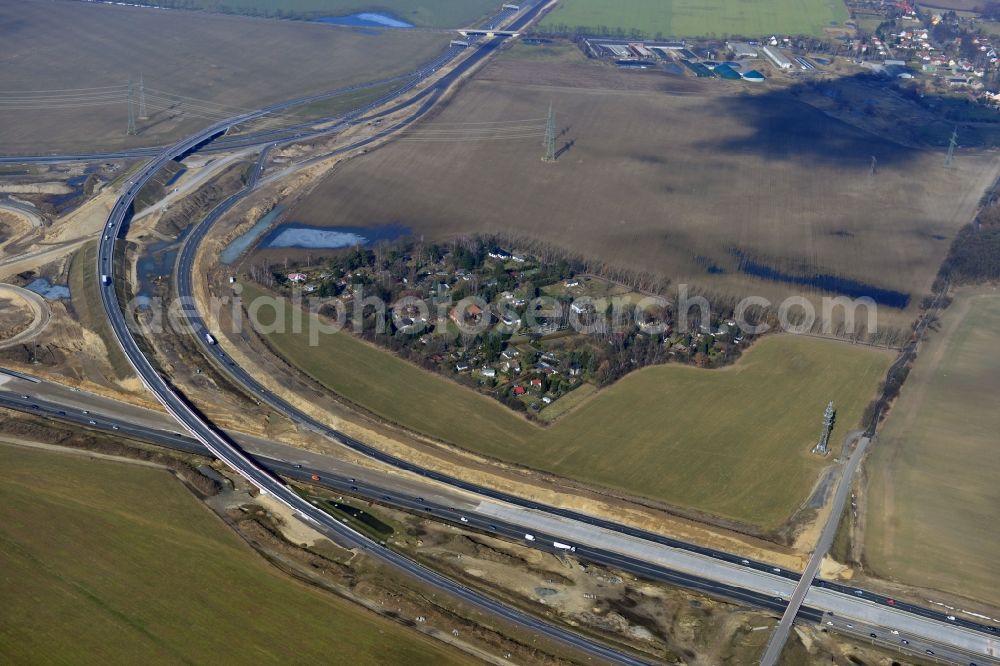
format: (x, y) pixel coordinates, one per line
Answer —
(131, 110)
(951, 147)
(550, 137)
(142, 100)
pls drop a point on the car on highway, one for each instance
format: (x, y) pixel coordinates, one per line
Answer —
(903, 641)
(951, 618)
(464, 519)
(92, 422)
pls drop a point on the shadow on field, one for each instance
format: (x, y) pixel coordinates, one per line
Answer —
(784, 127)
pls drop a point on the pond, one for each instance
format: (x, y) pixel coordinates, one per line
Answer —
(157, 261)
(365, 20)
(240, 244)
(295, 235)
(48, 291)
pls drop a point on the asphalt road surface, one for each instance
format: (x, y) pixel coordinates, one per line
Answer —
(840, 599)
(857, 598)
(226, 450)
(759, 589)
(777, 642)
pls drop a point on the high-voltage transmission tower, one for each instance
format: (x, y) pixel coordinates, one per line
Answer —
(823, 446)
(142, 100)
(951, 148)
(131, 110)
(550, 137)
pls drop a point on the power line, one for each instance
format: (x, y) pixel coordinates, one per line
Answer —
(59, 90)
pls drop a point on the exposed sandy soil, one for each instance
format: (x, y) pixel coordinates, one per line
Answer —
(15, 315)
(35, 188)
(23, 315)
(64, 236)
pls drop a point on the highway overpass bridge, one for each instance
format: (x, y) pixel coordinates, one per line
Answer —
(487, 34)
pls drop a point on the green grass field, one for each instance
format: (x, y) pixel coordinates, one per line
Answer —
(733, 442)
(934, 492)
(424, 13)
(699, 18)
(106, 562)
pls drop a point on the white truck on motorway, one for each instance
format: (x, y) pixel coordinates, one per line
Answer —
(105, 279)
(529, 537)
(210, 339)
(564, 546)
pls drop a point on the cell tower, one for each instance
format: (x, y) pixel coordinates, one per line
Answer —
(951, 147)
(823, 446)
(131, 110)
(550, 137)
(142, 100)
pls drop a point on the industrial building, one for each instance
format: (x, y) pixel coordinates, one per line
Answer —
(640, 50)
(743, 49)
(777, 57)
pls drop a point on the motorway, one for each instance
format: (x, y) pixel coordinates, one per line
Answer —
(298, 131)
(747, 586)
(230, 453)
(578, 528)
(777, 642)
(219, 445)
(890, 613)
